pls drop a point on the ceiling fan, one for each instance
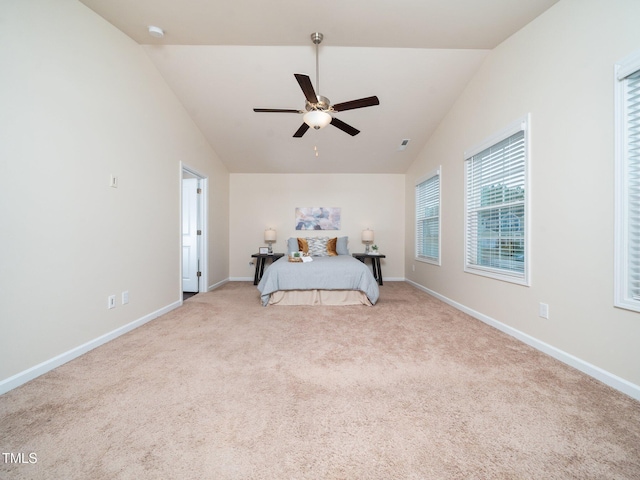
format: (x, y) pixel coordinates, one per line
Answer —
(318, 109)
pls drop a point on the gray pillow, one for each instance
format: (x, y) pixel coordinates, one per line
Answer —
(292, 245)
(342, 246)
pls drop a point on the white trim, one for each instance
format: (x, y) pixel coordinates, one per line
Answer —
(621, 297)
(598, 373)
(217, 285)
(432, 261)
(48, 365)
(427, 176)
(522, 124)
(497, 274)
(627, 65)
(427, 260)
(517, 126)
(619, 253)
(203, 241)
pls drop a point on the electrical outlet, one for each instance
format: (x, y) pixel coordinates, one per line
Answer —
(125, 297)
(111, 301)
(543, 310)
(413, 267)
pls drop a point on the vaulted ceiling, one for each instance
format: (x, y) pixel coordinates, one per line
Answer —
(223, 58)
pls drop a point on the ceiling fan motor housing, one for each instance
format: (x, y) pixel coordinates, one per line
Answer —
(323, 104)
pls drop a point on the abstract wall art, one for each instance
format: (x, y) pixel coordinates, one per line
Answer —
(318, 218)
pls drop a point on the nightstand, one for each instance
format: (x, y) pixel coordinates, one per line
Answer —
(375, 263)
(261, 259)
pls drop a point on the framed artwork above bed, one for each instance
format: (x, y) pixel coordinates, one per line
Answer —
(318, 218)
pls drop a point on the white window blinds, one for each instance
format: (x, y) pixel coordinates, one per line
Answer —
(632, 97)
(428, 218)
(495, 214)
(628, 194)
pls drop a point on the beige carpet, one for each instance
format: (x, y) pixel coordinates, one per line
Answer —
(223, 388)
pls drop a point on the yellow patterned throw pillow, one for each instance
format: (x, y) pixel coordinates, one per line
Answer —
(303, 246)
(331, 247)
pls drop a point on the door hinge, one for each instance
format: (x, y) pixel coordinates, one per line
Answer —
(198, 274)
(199, 232)
(199, 190)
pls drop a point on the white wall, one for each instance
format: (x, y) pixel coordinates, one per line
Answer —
(260, 201)
(80, 101)
(560, 69)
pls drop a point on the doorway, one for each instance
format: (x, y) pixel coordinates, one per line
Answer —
(193, 232)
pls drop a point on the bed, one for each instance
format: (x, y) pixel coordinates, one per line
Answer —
(337, 279)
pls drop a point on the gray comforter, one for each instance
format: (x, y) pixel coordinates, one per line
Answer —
(342, 272)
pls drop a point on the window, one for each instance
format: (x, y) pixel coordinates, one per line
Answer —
(428, 218)
(496, 206)
(627, 188)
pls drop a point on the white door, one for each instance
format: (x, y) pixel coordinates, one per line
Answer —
(190, 241)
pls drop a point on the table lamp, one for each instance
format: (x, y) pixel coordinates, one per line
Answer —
(367, 239)
(270, 238)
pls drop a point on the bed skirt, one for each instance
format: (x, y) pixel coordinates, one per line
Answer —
(319, 297)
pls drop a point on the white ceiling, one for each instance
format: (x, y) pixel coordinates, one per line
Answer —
(223, 58)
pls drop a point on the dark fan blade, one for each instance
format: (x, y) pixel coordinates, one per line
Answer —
(301, 131)
(362, 102)
(305, 84)
(276, 110)
(344, 127)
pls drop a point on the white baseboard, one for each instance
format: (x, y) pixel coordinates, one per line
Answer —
(48, 365)
(598, 373)
(217, 285)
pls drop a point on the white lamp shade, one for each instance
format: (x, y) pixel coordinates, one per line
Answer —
(367, 236)
(317, 119)
(270, 235)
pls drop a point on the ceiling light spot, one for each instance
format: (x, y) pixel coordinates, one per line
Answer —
(156, 32)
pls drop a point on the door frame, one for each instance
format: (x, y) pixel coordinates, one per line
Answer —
(202, 223)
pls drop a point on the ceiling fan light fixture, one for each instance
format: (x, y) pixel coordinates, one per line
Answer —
(317, 119)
